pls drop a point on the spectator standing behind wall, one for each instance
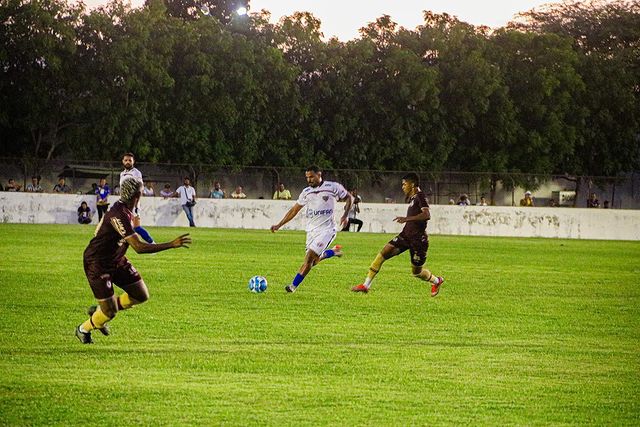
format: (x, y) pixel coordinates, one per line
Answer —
(12, 186)
(593, 201)
(527, 201)
(238, 193)
(61, 187)
(281, 193)
(217, 192)
(167, 192)
(147, 191)
(464, 200)
(34, 186)
(102, 198)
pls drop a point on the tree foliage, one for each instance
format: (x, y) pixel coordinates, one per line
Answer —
(557, 91)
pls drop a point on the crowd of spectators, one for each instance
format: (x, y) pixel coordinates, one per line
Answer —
(102, 191)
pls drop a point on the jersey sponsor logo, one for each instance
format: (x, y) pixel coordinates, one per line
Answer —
(416, 257)
(118, 226)
(312, 213)
(325, 198)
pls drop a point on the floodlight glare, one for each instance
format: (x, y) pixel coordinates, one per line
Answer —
(241, 11)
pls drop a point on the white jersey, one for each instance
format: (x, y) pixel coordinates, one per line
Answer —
(320, 203)
(133, 173)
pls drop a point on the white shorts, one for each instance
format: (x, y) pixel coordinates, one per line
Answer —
(319, 241)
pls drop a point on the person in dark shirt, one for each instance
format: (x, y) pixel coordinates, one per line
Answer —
(105, 263)
(413, 237)
(84, 214)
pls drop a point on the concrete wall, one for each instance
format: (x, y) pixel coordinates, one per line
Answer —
(261, 214)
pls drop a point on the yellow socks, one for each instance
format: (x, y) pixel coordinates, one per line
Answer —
(374, 268)
(426, 276)
(96, 321)
(124, 302)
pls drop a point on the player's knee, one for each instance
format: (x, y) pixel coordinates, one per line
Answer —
(141, 296)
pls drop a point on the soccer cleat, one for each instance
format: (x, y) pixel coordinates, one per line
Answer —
(337, 250)
(84, 337)
(360, 288)
(435, 288)
(105, 329)
(290, 288)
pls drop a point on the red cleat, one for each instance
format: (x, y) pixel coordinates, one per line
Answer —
(360, 288)
(435, 288)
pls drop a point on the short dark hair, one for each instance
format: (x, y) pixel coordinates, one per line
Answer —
(129, 154)
(313, 168)
(412, 178)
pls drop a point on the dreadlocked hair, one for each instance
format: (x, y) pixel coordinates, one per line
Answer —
(129, 189)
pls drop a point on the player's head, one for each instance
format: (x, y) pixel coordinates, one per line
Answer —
(313, 175)
(130, 190)
(128, 160)
(410, 183)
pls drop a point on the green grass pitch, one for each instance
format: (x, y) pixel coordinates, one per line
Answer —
(524, 331)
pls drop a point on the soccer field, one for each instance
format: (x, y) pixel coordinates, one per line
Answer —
(524, 331)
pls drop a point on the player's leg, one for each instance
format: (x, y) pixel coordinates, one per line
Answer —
(326, 239)
(134, 294)
(139, 229)
(98, 317)
(358, 222)
(418, 258)
(310, 259)
(127, 278)
(390, 250)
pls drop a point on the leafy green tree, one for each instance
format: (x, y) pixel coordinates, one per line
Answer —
(40, 92)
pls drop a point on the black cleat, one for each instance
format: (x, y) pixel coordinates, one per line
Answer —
(290, 288)
(105, 329)
(84, 337)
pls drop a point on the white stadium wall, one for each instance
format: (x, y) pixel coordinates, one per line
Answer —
(570, 223)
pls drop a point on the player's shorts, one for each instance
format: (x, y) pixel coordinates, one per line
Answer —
(418, 247)
(102, 281)
(319, 241)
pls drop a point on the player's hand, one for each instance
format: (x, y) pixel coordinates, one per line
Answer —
(400, 219)
(181, 242)
(275, 228)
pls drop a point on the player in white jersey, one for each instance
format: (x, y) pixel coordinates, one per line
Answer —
(130, 171)
(319, 200)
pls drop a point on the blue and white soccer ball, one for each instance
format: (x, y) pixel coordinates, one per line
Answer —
(258, 284)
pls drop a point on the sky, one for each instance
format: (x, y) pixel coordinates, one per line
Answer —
(343, 18)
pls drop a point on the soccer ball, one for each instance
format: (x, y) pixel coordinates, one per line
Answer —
(257, 284)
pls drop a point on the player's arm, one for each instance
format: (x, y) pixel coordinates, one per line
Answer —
(347, 207)
(145, 248)
(287, 217)
(425, 215)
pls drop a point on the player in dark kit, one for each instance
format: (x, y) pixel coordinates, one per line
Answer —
(105, 263)
(413, 237)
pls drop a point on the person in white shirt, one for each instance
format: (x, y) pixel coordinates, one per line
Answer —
(187, 196)
(148, 191)
(128, 160)
(319, 199)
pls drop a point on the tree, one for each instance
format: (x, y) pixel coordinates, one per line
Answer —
(40, 95)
